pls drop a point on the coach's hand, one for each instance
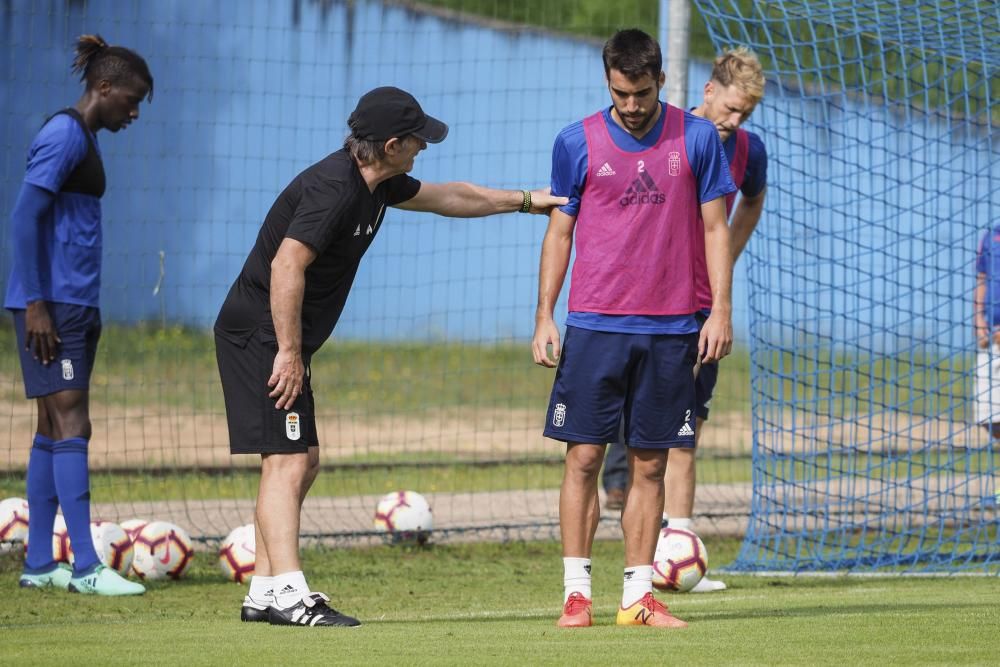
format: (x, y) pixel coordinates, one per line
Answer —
(542, 201)
(546, 333)
(716, 338)
(41, 337)
(286, 378)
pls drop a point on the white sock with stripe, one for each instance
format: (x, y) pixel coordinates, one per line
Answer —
(576, 577)
(289, 588)
(261, 590)
(638, 582)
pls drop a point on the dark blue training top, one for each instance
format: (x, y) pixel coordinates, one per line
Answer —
(57, 248)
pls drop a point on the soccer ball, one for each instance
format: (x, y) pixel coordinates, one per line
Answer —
(237, 554)
(405, 516)
(680, 561)
(62, 552)
(132, 527)
(13, 522)
(162, 549)
(113, 545)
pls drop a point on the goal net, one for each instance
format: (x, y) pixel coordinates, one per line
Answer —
(867, 454)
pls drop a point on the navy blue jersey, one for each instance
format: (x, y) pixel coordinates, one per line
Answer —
(755, 177)
(988, 263)
(64, 159)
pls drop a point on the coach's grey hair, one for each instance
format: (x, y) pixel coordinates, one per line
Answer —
(364, 151)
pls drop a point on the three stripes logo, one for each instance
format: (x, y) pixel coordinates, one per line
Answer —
(606, 170)
(642, 191)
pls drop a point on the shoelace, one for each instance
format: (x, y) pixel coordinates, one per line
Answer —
(576, 603)
(649, 602)
(314, 599)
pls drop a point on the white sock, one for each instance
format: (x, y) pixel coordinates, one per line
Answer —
(638, 582)
(683, 522)
(261, 590)
(289, 588)
(576, 577)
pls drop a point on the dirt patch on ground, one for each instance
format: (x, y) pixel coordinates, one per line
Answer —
(462, 516)
(150, 436)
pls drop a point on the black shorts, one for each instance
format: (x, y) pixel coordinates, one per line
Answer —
(255, 425)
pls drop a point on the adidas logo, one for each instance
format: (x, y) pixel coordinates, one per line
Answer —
(686, 430)
(642, 191)
(289, 589)
(605, 170)
(357, 232)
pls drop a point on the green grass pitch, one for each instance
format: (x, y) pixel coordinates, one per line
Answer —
(496, 604)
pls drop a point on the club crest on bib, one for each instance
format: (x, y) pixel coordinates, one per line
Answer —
(674, 163)
(293, 430)
(67, 369)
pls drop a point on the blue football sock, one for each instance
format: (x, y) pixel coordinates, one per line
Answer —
(42, 506)
(69, 463)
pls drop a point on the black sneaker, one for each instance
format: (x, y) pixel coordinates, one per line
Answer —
(310, 610)
(251, 613)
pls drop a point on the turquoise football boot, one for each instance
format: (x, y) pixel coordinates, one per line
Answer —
(57, 577)
(105, 581)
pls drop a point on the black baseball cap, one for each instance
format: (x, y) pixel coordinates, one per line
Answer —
(389, 112)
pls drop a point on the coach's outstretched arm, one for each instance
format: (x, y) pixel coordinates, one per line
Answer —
(556, 250)
(467, 200)
(716, 339)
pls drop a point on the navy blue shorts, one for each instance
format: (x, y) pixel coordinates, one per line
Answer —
(704, 384)
(644, 379)
(255, 425)
(79, 328)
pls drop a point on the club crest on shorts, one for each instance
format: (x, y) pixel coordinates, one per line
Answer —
(559, 415)
(292, 429)
(67, 369)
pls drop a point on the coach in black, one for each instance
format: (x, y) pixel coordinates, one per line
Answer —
(286, 302)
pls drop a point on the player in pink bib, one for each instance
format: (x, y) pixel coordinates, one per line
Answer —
(730, 96)
(647, 184)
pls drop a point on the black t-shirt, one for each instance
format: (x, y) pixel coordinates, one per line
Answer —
(329, 208)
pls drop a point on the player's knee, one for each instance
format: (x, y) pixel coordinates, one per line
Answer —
(649, 470)
(70, 425)
(585, 461)
(291, 467)
(312, 469)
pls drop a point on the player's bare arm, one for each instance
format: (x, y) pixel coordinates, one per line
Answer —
(467, 200)
(716, 339)
(288, 282)
(745, 219)
(556, 249)
(979, 306)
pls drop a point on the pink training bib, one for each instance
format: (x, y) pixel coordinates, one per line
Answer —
(638, 226)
